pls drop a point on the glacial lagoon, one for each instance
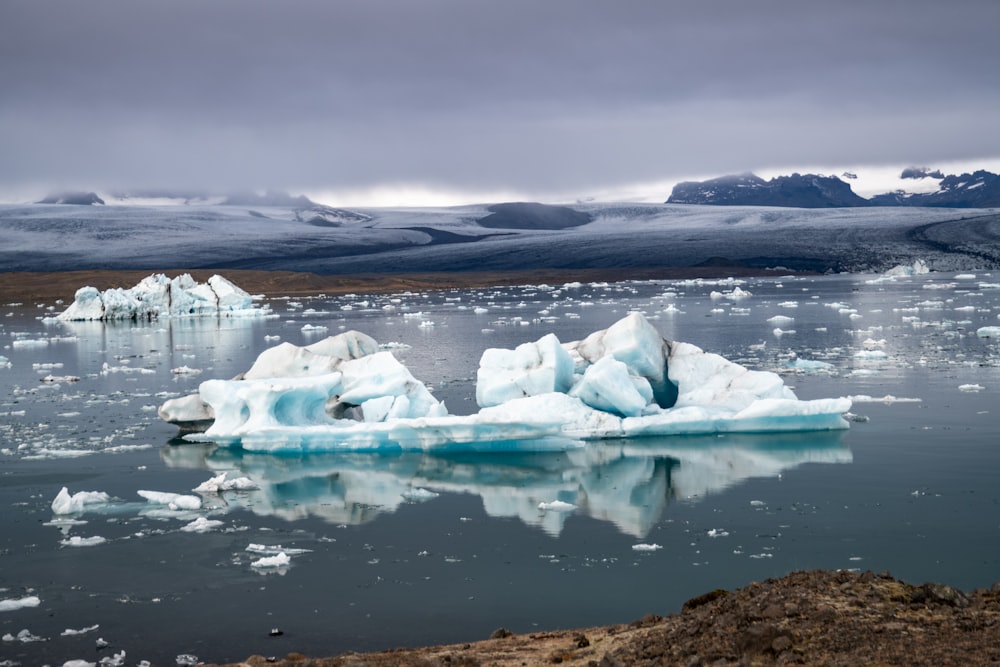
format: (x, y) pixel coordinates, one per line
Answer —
(405, 548)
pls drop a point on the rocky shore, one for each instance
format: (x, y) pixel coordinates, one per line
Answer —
(822, 618)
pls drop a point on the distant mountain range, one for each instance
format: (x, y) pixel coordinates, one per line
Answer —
(980, 189)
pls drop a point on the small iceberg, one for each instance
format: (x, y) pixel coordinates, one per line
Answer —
(158, 296)
(345, 393)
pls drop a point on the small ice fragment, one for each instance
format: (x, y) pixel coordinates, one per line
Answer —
(281, 560)
(219, 483)
(201, 525)
(185, 370)
(757, 503)
(69, 632)
(971, 387)
(187, 660)
(64, 503)
(172, 500)
(24, 636)
(718, 532)
(77, 541)
(556, 506)
(13, 604)
(646, 547)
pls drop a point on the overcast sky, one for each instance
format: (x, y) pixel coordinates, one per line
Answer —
(540, 99)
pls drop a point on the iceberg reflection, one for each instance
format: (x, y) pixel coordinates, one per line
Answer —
(626, 482)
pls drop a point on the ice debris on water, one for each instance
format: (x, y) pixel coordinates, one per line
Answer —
(280, 560)
(646, 547)
(219, 483)
(65, 503)
(13, 604)
(77, 541)
(201, 525)
(174, 501)
(24, 636)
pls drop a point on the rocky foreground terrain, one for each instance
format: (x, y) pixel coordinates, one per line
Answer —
(807, 618)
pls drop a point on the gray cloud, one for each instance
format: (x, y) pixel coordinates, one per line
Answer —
(554, 96)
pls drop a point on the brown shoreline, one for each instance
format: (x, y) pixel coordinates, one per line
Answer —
(818, 617)
(20, 286)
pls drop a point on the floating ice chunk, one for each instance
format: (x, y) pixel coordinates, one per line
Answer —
(780, 320)
(77, 541)
(13, 604)
(871, 355)
(280, 560)
(556, 506)
(174, 501)
(718, 532)
(64, 503)
(24, 636)
(274, 550)
(529, 370)
(971, 387)
(887, 399)
(988, 332)
(201, 525)
(917, 268)
(735, 295)
(70, 632)
(219, 483)
(646, 547)
(158, 296)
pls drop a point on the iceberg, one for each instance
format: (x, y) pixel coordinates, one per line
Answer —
(158, 296)
(344, 393)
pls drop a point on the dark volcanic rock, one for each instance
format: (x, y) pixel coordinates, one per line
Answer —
(526, 215)
(798, 190)
(73, 198)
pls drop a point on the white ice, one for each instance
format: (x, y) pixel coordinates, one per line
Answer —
(624, 381)
(174, 501)
(13, 604)
(64, 503)
(157, 296)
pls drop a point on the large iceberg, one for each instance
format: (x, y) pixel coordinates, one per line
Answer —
(342, 393)
(157, 296)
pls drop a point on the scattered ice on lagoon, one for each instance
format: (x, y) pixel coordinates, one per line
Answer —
(971, 387)
(718, 532)
(988, 332)
(13, 604)
(185, 370)
(24, 636)
(646, 547)
(888, 399)
(70, 632)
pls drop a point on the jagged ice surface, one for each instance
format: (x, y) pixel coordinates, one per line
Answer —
(624, 381)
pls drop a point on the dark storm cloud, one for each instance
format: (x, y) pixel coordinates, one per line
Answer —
(538, 96)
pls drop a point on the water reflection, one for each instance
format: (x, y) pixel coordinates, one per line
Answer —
(626, 482)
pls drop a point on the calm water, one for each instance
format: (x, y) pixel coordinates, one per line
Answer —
(400, 549)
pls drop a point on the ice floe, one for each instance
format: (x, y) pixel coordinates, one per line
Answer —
(13, 604)
(623, 381)
(158, 296)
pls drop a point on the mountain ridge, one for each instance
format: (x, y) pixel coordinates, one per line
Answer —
(979, 189)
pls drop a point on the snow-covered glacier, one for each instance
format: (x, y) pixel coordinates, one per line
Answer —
(158, 296)
(344, 393)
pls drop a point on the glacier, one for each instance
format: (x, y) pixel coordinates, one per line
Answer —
(345, 394)
(158, 296)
